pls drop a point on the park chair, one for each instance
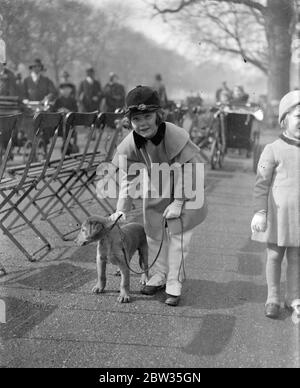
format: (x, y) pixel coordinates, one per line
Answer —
(16, 188)
(62, 173)
(8, 126)
(103, 151)
(81, 180)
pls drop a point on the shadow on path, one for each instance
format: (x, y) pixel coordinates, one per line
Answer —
(22, 316)
(207, 294)
(215, 333)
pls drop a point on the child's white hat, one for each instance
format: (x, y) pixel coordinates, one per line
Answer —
(287, 102)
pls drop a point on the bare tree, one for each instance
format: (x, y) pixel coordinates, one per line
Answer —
(259, 31)
(17, 24)
(60, 32)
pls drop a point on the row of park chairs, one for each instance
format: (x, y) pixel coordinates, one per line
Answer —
(41, 190)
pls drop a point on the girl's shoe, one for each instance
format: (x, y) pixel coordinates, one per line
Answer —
(294, 308)
(272, 310)
(172, 300)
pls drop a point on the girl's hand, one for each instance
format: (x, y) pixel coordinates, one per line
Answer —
(173, 210)
(259, 222)
(114, 216)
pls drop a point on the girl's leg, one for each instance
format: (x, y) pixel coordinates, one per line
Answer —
(160, 268)
(177, 253)
(293, 275)
(275, 256)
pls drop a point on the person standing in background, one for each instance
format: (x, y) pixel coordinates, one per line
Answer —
(38, 87)
(90, 93)
(114, 94)
(160, 88)
(8, 86)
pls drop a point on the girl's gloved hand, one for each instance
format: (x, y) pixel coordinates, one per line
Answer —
(259, 222)
(114, 216)
(173, 210)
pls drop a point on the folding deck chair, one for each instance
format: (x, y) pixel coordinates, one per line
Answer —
(22, 181)
(62, 173)
(77, 174)
(103, 152)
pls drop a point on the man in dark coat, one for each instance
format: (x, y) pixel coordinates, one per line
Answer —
(38, 87)
(89, 92)
(114, 93)
(160, 87)
(8, 85)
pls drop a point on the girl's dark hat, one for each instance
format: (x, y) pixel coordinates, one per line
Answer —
(142, 99)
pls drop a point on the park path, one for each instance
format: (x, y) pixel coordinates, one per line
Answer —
(53, 320)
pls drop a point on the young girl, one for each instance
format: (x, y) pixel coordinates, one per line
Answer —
(154, 142)
(277, 207)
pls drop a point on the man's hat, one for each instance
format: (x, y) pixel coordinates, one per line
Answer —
(37, 62)
(90, 70)
(142, 99)
(65, 74)
(289, 101)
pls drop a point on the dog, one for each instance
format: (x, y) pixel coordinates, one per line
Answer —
(114, 242)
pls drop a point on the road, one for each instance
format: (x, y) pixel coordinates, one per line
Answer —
(53, 320)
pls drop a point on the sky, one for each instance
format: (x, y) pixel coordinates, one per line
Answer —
(140, 18)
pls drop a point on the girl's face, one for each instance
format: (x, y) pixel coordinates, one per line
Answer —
(145, 124)
(293, 122)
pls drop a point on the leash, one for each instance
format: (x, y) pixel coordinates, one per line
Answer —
(115, 222)
(127, 261)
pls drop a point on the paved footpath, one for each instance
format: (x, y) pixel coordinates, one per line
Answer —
(53, 320)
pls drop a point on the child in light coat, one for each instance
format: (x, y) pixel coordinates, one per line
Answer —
(154, 142)
(277, 207)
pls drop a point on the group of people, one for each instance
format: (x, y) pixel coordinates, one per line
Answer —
(38, 87)
(236, 97)
(90, 95)
(171, 220)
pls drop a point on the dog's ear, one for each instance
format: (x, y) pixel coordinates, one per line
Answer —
(97, 227)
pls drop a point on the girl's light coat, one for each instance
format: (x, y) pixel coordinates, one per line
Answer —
(175, 147)
(277, 190)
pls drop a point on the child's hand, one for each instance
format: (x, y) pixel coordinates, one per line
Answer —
(114, 216)
(259, 222)
(173, 210)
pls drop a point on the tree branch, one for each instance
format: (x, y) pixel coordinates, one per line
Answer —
(247, 58)
(186, 3)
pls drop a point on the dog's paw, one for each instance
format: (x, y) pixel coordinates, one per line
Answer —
(123, 298)
(97, 289)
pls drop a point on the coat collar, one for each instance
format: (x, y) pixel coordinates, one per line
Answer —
(289, 140)
(140, 141)
(175, 140)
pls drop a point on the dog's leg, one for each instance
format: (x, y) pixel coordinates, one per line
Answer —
(143, 260)
(125, 285)
(101, 272)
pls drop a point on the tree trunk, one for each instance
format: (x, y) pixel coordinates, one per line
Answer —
(278, 17)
